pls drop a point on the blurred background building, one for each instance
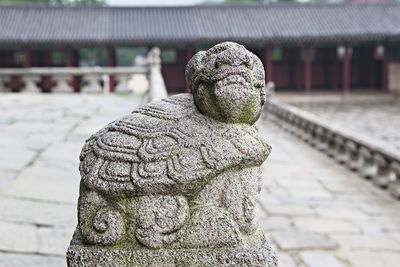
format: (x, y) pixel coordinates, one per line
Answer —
(316, 212)
(304, 47)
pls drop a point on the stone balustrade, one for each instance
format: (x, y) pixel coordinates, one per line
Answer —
(91, 79)
(372, 159)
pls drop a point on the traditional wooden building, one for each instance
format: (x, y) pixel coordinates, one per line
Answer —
(304, 47)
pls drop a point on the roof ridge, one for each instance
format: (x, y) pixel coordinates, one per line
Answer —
(200, 24)
(200, 6)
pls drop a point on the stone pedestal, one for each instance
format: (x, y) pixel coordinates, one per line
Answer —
(125, 256)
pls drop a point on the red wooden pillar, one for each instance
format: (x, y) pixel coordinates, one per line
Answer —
(385, 73)
(307, 69)
(72, 61)
(9, 59)
(268, 64)
(189, 55)
(27, 58)
(69, 62)
(371, 69)
(111, 62)
(326, 67)
(46, 79)
(346, 70)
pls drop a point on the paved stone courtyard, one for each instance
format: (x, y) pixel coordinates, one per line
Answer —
(316, 213)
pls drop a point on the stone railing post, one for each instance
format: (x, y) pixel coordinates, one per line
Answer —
(394, 185)
(321, 142)
(3, 80)
(307, 131)
(157, 89)
(30, 84)
(62, 83)
(368, 166)
(122, 83)
(384, 173)
(352, 151)
(341, 155)
(176, 182)
(92, 84)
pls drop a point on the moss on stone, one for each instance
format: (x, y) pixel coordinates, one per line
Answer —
(247, 112)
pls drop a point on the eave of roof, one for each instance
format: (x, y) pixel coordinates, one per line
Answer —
(249, 24)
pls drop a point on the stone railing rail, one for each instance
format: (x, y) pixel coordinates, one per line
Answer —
(94, 79)
(370, 158)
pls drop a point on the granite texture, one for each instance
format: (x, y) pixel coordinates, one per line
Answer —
(176, 182)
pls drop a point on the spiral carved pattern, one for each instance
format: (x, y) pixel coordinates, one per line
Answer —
(100, 223)
(106, 229)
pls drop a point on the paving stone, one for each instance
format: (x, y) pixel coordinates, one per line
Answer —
(40, 141)
(310, 193)
(340, 188)
(27, 260)
(299, 183)
(341, 212)
(67, 160)
(285, 260)
(295, 174)
(6, 176)
(18, 237)
(54, 240)
(395, 236)
(301, 240)
(287, 209)
(382, 207)
(320, 258)
(369, 242)
(375, 227)
(15, 159)
(37, 212)
(11, 139)
(275, 223)
(371, 258)
(47, 184)
(325, 225)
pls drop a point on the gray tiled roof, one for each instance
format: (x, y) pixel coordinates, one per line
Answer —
(199, 24)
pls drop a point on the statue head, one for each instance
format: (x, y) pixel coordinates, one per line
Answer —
(227, 83)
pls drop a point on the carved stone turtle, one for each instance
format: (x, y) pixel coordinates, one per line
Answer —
(184, 172)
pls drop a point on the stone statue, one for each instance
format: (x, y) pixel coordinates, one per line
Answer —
(175, 183)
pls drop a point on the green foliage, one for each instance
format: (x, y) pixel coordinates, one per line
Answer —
(243, 1)
(263, 1)
(87, 2)
(56, 2)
